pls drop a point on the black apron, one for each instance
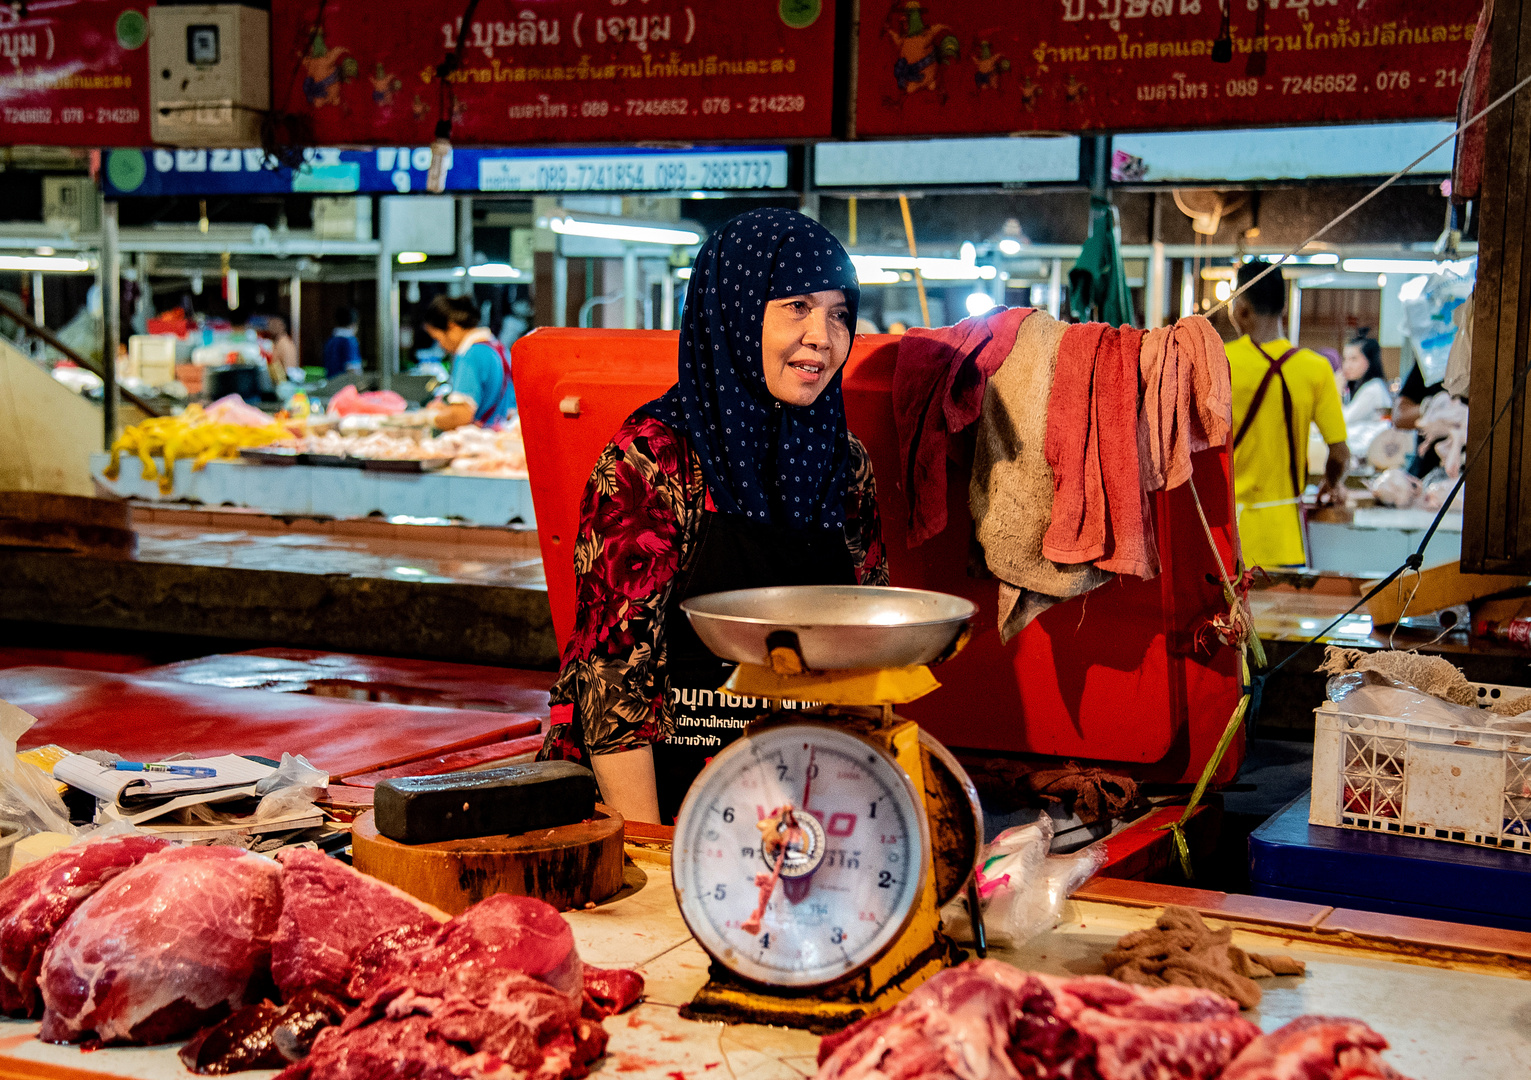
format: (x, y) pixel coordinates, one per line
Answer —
(732, 553)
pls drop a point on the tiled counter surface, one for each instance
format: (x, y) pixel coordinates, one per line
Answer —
(1464, 1010)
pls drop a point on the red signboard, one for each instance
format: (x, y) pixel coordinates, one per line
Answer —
(947, 67)
(364, 71)
(74, 73)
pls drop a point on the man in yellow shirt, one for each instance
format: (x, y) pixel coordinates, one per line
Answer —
(1278, 391)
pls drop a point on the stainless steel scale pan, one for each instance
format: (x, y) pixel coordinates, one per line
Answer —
(832, 627)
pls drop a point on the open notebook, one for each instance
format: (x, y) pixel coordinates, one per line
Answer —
(141, 791)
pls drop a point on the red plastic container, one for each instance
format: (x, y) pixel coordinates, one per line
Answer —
(1116, 675)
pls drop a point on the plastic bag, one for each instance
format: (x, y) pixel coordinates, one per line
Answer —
(1021, 887)
(1428, 319)
(27, 794)
(1372, 694)
(1395, 487)
(294, 785)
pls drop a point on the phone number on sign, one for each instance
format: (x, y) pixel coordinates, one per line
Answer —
(659, 176)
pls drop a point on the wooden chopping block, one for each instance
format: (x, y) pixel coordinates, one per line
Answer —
(568, 867)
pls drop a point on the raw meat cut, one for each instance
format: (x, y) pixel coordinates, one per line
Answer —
(163, 948)
(35, 901)
(496, 991)
(502, 933)
(505, 1025)
(313, 948)
(264, 1036)
(384, 951)
(609, 991)
(986, 1019)
(1314, 1048)
(1149, 1049)
(982, 1019)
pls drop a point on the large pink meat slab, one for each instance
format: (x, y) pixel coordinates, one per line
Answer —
(508, 1025)
(999, 1022)
(35, 901)
(502, 933)
(1315, 1048)
(329, 914)
(496, 991)
(145, 719)
(162, 949)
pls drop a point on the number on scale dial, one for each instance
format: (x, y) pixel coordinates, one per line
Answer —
(800, 853)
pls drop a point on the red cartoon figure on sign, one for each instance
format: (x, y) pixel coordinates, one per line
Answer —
(921, 47)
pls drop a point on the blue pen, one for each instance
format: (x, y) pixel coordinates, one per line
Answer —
(154, 766)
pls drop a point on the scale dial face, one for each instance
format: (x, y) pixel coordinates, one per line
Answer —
(853, 867)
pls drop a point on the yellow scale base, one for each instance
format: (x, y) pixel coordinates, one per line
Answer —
(921, 952)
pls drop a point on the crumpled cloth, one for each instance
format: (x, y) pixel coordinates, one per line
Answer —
(938, 391)
(1093, 794)
(1008, 784)
(1433, 675)
(1181, 950)
(1100, 510)
(1187, 402)
(1010, 493)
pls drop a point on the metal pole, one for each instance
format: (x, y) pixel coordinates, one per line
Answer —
(1187, 288)
(1055, 290)
(111, 317)
(560, 291)
(1158, 293)
(295, 315)
(630, 289)
(1294, 310)
(38, 309)
(667, 299)
(386, 360)
(465, 240)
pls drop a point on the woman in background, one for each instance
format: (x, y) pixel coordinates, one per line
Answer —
(1365, 391)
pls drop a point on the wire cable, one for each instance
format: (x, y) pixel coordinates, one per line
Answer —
(1378, 190)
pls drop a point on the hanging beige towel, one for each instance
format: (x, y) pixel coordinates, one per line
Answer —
(1011, 493)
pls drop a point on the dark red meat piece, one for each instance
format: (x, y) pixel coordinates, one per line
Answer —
(1314, 1048)
(385, 951)
(163, 948)
(609, 991)
(35, 901)
(316, 949)
(263, 1036)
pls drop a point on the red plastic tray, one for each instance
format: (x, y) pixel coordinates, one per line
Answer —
(368, 678)
(146, 719)
(1116, 675)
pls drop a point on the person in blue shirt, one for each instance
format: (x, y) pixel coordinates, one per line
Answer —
(341, 352)
(481, 391)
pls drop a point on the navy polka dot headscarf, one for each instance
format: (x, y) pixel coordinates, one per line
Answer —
(767, 461)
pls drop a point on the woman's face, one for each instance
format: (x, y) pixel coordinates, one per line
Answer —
(804, 341)
(1354, 363)
(449, 338)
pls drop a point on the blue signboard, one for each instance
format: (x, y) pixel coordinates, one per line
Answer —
(401, 170)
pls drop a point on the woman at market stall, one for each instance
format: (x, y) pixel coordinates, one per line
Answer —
(481, 391)
(1365, 392)
(742, 475)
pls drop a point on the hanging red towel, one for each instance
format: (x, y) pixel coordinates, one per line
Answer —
(1100, 510)
(938, 387)
(1187, 400)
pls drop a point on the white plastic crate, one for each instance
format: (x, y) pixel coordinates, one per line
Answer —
(1412, 778)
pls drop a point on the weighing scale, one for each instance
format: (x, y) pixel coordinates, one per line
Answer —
(812, 856)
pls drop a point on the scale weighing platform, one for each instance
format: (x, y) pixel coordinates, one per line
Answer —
(1289, 859)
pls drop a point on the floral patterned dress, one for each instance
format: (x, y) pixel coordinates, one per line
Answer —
(639, 523)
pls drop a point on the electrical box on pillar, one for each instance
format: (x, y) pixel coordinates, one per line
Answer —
(209, 74)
